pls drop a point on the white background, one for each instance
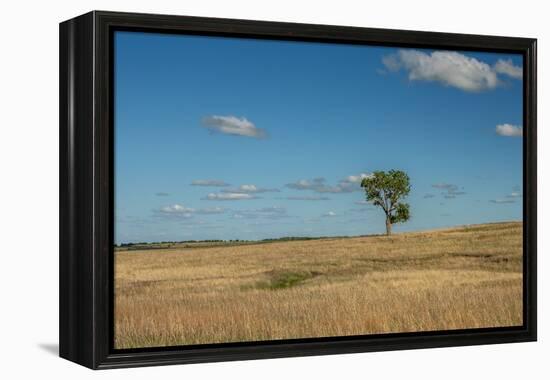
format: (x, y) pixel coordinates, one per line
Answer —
(29, 187)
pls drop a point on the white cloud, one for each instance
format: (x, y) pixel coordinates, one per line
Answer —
(305, 184)
(509, 130)
(351, 183)
(273, 212)
(307, 198)
(176, 210)
(509, 198)
(447, 67)
(232, 125)
(445, 186)
(391, 62)
(502, 201)
(316, 184)
(514, 194)
(451, 190)
(357, 178)
(250, 189)
(508, 68)
(228, 196)
(346, 185)
(180, 211)
(209, 182)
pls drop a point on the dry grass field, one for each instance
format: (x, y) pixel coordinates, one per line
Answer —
(457, 278)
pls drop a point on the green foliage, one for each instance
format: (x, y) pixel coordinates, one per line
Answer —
(284, 280)
(402, 213)
(386, 190)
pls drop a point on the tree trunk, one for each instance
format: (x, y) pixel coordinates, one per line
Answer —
(388, 225)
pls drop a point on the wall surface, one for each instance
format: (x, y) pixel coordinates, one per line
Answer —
(29, 190)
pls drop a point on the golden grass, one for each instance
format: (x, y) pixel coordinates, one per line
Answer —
(457, 278)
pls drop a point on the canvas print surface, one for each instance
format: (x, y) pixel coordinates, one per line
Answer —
(269, 190)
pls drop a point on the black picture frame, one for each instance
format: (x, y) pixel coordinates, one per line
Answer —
(86, 189)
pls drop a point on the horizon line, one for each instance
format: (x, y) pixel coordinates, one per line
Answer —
(304, 237)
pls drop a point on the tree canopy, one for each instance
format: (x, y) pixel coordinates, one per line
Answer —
(386, 190)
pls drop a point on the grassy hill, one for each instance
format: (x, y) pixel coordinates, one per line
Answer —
(456, 278)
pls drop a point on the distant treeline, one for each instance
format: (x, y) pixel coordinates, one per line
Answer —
(173, 242)
(289, 238)
(219, 241)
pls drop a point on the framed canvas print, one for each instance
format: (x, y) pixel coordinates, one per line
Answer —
(236, 189)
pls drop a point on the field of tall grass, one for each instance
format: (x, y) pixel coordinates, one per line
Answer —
(465, 277)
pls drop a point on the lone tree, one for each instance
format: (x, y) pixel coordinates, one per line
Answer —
(387, 189)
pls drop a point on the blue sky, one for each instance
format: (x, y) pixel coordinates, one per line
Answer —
(226, 138)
